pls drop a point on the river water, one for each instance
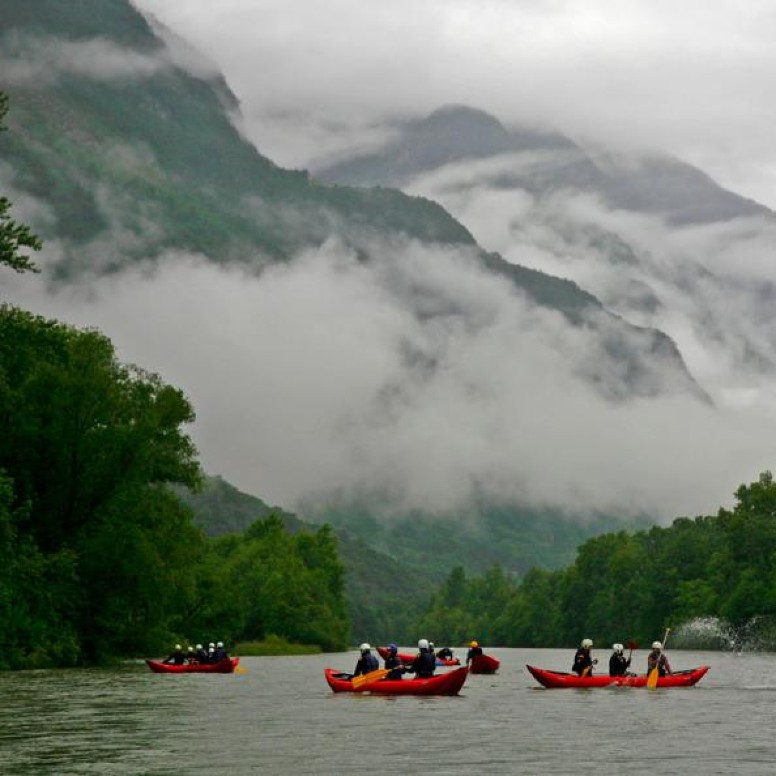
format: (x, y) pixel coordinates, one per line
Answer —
(281, 718)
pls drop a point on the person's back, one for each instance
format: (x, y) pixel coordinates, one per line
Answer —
(367, 662)
(445, 653)
(177, 657)
(424, 664)
(220, 653)
(201, 654)
(475, 650)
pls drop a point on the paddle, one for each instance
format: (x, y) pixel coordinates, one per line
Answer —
(587, 669)
(238, 669)
(372, 676)
(631, 645)
(654, 674)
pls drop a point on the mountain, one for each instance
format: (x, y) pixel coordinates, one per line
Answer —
(124, 152)
(655, 239)
(548, 163)
(133, 155)
(129, 155)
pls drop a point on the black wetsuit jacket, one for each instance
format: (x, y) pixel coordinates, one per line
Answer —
(618, 664)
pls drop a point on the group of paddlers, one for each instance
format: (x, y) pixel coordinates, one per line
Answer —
(423, 663)
(198, 655)
(618, 663)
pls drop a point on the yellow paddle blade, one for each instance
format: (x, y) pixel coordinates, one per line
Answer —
(652, 678)
(372, 676)
(240, 670)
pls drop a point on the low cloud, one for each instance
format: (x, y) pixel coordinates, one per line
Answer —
(317, 378)
(710, 287)
(34, 61)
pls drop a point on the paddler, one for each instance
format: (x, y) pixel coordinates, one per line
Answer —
(657, 658)
(393, 663)
(583, 660)
(367, 662)
(618, 663)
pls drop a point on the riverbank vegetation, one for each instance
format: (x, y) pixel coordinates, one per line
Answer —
(629, 586)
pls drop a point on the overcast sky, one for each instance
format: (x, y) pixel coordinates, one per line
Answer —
(689, 77)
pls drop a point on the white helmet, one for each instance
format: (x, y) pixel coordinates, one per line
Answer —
(617, 647)
(191, 649)
(657, 645)
(220, 644)
(199, 646)
(177, 646)
(211, 645)
(587, 643)
(423, 644)
(365, 647)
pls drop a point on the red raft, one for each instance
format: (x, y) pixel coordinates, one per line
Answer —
(484, 664)
(408, 657)
(557, 679)
(226, 666)
(448, 683)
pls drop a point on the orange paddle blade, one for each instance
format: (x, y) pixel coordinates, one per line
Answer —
(372, 676)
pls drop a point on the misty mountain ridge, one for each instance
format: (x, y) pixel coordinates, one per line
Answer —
(648, 183)
(124, 160)
(655, 239)
(141, 158)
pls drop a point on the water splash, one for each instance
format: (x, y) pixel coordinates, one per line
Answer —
(756, 635)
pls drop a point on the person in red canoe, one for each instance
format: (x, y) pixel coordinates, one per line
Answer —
(474, 651)
(583, 660)
(393, 663)
(367, 662)
(657, 658)
(445, 653)
(424, 664)
(177, 658)
(220, 653)
(618, 663)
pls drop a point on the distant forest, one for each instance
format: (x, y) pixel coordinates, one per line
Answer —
(631, 586)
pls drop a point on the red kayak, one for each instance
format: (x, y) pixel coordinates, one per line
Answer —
(226, 666)
(408, 657)
(448, 683)
(555, 679)
(484, 664)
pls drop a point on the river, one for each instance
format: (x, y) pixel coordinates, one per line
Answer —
(280, 718)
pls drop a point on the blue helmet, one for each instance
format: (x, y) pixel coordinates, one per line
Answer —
(393, 648)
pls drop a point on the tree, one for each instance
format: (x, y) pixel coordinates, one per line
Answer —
(14, 237)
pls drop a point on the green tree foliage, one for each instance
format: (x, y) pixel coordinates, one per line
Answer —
(274, 583)
(14, 237)
(629, 586)
(99, 549)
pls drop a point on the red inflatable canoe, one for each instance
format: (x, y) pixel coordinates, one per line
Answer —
(448, 683)
(408, 657)
(556, 679)
(222, 667)
(484, 664)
